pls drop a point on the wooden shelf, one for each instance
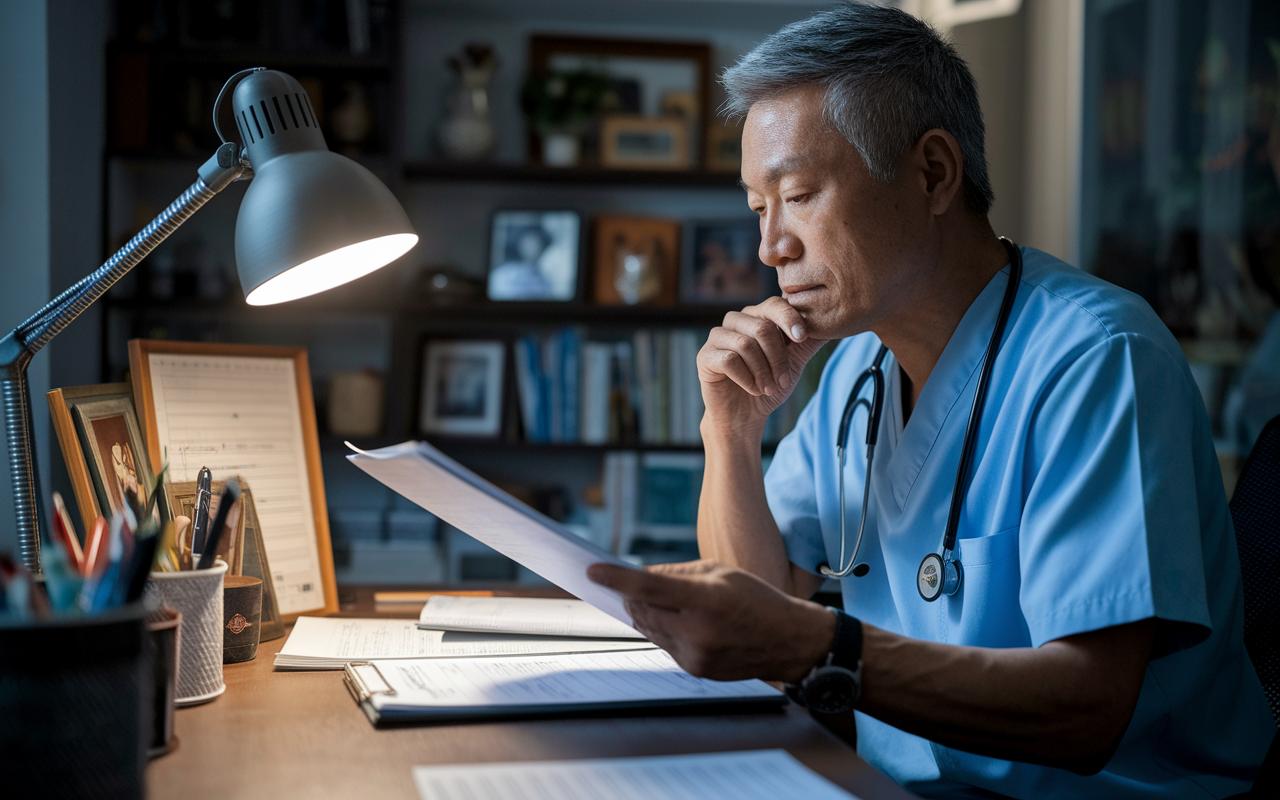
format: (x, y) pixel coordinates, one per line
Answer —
(578, 176)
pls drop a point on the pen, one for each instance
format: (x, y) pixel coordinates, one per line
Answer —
(200, 515)
(70, 540)
(230, 496)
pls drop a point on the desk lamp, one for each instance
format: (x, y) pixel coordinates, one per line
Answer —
(310, 220)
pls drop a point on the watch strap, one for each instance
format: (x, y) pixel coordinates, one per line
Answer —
(846, 649)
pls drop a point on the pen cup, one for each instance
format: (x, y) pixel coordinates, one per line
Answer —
(163, 626)
(197, 595)
(74, 706)
(242, 618)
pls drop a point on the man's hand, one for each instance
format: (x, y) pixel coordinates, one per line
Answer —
(750, 363)
(722, 623)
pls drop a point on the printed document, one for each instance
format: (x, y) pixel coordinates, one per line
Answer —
(529, 615)
(460, 687)
(471, 504)
(240, 415)
(748, 775)
(331, 643)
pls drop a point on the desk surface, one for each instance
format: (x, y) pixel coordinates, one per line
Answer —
(299, 734)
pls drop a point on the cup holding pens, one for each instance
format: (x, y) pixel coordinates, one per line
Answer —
(197, 595)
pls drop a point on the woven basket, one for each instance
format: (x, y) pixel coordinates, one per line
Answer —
(197, 595)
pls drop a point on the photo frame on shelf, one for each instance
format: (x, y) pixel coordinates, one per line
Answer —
(462, 388)
(721, 263)
(246, 410)
(636, 261)
(76, 453)
(724, 145)
(644, 143)
(654, 79)
(244, 551)
(534, 255)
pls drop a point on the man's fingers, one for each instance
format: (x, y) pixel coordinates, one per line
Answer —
(771, 341)
(729, 348)
(663, 591)
(780, 313)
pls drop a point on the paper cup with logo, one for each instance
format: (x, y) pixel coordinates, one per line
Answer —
(241, 618)
(197, 595)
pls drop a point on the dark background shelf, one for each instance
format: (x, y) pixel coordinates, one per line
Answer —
(524, 173)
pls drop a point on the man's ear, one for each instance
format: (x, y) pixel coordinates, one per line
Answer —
(940, 166)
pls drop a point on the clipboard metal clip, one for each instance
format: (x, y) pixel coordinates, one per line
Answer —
(364, 680)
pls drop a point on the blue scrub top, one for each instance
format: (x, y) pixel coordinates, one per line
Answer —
(1095, 500)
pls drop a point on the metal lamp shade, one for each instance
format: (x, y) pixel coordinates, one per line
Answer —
(314, 220)
(311, 219)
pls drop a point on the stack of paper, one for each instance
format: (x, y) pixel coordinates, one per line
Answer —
(329, 643)
(420, 690)
(523, 615)
(749, 775)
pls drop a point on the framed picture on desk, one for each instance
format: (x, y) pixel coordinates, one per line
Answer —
(246, 410)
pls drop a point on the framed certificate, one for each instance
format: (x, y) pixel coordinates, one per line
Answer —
(246, 410)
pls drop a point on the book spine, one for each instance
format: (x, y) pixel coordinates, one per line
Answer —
(571, 375)
(527, 386)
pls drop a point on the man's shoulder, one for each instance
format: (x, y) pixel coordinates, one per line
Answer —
(1091, 309)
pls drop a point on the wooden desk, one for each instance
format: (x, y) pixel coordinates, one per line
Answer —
(299, 734)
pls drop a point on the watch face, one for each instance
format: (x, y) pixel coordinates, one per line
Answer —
(831, 690)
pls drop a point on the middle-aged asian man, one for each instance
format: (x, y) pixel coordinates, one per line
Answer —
(1094, 647)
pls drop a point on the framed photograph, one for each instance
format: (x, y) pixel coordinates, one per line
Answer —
(62, 403)
(724, 145)
(114, 452)
(242, 549)
(246, 410)
(533, 255)
(636, 261)
(644, 143)
(462, 388)
(722, 265)
(648, 78)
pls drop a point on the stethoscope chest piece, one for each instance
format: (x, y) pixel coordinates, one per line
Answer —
(936, 577)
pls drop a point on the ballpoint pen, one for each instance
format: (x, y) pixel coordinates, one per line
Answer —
(230, 496)
(200, 515)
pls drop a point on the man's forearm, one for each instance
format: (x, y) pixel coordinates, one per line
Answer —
(1064, 704)
(735, 526)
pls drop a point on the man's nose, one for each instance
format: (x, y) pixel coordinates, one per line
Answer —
(778, 245)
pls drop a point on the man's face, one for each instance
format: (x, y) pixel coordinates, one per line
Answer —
(847, 247)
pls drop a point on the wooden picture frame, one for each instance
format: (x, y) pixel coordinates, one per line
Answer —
(244, 552)
(62, 403)
(644, 143)
(247, 410)
(656, 242)
(116, 457)
(475, 408)
(544, 50)
(721, 263)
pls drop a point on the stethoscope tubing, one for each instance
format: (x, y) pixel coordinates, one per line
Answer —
(874, 408)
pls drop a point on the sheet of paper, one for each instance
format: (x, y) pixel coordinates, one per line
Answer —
(536, 615)
(239, 415)
(747, 775)
(331, 642)
(627, 677)
(471, 504)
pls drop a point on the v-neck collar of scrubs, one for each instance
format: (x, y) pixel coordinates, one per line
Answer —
(943, 392)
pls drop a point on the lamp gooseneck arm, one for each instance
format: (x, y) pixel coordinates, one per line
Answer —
(24, 341)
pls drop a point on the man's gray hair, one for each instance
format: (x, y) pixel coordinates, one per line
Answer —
(889, 78)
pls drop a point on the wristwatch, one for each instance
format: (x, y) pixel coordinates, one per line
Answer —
(835, 685)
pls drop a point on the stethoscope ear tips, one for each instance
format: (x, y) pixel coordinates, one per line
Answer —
(861, 570)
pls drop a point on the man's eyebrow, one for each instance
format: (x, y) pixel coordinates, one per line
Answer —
(779, 168)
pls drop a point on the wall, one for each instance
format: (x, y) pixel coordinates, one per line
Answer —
(24, 209)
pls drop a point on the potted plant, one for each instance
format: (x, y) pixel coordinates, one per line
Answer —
(560, 106)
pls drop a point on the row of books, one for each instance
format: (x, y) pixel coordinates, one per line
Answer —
(640, 390)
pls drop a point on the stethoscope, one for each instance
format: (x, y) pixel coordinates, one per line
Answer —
(939, 573)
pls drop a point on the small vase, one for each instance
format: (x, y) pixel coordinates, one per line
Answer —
(468, 134)
(560, 150)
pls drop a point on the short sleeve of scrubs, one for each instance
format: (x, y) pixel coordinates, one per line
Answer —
(1111, 526)
(790, 485)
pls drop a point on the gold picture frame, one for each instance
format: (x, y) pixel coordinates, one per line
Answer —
(61, 403)
(255, 412)
(628, 142)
